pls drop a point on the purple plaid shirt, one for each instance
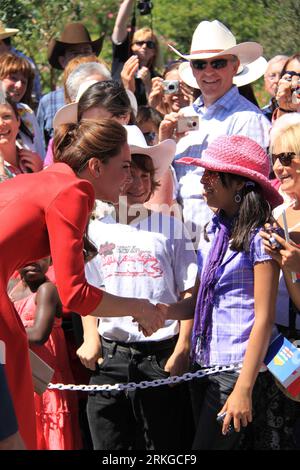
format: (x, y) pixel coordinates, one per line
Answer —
(233, 305)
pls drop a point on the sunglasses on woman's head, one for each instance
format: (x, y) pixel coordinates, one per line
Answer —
(285, 158)
(215, 64)
(149, 44)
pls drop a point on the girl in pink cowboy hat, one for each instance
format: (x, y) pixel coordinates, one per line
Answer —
(234, 298)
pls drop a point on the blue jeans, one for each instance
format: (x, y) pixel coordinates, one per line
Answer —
(151, 418)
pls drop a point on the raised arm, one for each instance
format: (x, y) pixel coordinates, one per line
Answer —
(120, 28)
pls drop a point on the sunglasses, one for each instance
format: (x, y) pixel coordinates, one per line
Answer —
(149, 137)
(285, 158)
(215, 64)
(149, 44)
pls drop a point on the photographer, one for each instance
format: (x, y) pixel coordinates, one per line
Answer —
(134, 54)
(288, 85)
(170, 93)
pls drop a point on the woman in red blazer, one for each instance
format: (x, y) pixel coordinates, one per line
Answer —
(47, 213)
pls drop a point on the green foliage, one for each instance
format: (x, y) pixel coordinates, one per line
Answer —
(273, 23)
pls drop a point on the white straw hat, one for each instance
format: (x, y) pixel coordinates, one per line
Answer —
(213, 39)
(246, 74)
(162, 154)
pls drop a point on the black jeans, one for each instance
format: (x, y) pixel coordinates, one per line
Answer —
(151, 418)
(208, 395)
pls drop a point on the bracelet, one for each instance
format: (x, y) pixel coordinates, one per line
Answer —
(286, 110)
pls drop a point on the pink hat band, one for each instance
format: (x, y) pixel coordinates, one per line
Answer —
(239, 155)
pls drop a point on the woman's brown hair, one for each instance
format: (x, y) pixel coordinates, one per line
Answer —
(12, 63)
(75, 144)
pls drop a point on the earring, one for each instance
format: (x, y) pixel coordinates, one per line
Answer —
(237, 198)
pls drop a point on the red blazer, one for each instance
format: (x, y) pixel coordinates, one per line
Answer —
(40, 214)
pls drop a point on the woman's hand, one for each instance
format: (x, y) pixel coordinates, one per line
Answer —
(287, 256)
(238, 408)
(155, 98)
(284, 92)
(90, 353)
(144, 75)
(129, 70)
(29, 160)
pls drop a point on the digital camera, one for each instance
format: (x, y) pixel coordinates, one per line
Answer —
(296, 94)
(145, 7)
(170, 86)
(187, 123)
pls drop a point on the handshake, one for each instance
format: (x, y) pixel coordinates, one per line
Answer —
(150, 317)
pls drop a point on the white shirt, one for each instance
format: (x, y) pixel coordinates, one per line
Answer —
(153, 259)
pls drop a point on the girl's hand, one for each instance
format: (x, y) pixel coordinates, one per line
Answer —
(238, 408)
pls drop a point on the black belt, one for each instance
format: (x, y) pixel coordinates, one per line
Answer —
(146, 347)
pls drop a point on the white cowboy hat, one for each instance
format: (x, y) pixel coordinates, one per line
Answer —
(162, 154)
(213, 39)
(69, 112)
(7, 32)
(246, 73)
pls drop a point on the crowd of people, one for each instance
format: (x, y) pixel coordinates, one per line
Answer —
(149, 228)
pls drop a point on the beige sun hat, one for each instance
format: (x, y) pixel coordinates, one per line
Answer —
(162, 154)
(213, 39)
(246, 74)
(69, 112)
(7, 32)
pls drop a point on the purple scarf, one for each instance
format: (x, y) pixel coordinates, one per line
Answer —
(203, 313)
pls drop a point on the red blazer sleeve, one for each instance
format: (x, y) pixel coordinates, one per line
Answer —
(66, 219)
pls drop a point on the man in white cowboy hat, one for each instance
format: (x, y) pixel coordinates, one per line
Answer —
(215, 60)
(6, 46)
(75, 41)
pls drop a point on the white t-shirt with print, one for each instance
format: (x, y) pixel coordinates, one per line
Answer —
(152, 259)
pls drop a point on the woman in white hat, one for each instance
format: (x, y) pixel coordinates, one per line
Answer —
(141, 253)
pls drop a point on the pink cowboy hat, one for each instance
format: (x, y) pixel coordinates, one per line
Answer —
(239, 155)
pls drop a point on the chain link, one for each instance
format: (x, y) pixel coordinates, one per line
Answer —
(131, 386)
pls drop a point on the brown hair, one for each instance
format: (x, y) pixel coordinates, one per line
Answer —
(12, 63)
(75, 144)
(145, 163)
(285, 67)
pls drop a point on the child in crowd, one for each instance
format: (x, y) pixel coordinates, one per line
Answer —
(37, 302)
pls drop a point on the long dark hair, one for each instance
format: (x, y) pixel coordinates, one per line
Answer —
(254, 211)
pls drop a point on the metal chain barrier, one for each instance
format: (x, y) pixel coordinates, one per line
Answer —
(130, 386)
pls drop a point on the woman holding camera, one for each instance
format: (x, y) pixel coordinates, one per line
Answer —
(170, 94)
(282, 415)
(288, 91)
(135, 54)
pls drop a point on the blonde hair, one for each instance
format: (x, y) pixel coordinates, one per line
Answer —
(286, 129)
(144, 34)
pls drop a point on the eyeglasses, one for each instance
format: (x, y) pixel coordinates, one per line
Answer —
(149, 137)
(149, 44)
(215, 64)
(285, 158)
